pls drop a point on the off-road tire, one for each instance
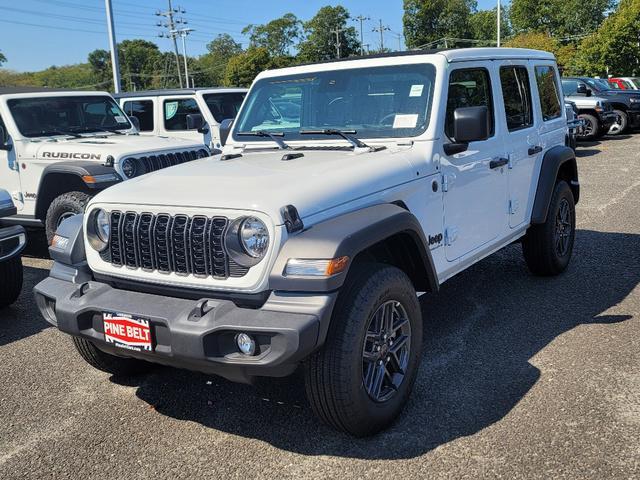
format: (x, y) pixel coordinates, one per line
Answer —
(65, 204)
(109, 363)
(619, 127)
(539, 245)
(334, 375)
(593, 123)
(10, 281)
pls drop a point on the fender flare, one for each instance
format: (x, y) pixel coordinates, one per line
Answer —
(556, 158)
(348, 235)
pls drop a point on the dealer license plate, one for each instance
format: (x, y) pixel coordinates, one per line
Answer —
(127, 331)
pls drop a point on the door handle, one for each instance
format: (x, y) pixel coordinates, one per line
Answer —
(535, 150)
(499, 162)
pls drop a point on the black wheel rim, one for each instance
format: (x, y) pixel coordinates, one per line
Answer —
(588, 128)
(385, 355)
(563, 228)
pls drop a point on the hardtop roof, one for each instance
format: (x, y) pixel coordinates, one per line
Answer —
(177, 91)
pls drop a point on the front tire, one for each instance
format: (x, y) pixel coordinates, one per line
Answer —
(547, 248)
(591, 127)
(10, 281)
(361, 379)
(109, 363)
(63, 207)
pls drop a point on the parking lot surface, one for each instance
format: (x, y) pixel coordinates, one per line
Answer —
(520, 377)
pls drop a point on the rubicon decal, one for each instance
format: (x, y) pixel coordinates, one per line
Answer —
(127, 332)
(72, 155)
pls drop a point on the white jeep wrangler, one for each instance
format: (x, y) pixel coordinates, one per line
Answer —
(59, 148)
(309, 241)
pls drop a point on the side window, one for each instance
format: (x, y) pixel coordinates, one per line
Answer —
(469, 87)
(549, 94)
(176, 111)
(516, 92)
(143, 111)
(570, 87)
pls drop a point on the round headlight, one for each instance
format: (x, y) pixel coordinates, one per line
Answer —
(102, 226)
(254, 237)
(129, 167)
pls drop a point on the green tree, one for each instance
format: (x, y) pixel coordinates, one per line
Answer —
(3, 59)
(100, 62)
(210, 67)
(559, 17)
(426, 21)
(320, 36)
(611, 50)
(141, 64)
(277, 36)
(243, 68)
(543, 41)
(483, 25)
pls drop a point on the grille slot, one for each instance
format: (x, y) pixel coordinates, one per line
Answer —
(171, 244)
(153, 163)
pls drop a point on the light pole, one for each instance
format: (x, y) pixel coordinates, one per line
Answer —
(361, 19)
(183, 33)
(115, 66)
(498, 26)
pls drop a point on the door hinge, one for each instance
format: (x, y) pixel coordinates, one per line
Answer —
(514, 206)
(447, 180)
(450, 235)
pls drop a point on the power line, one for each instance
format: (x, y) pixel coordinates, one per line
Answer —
(171, 26)
(381, 29)
(361, 19)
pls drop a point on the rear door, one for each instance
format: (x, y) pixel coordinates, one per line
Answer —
(522, 139)
(143, 109)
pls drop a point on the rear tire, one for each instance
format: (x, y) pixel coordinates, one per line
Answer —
(109, 363)
(10, 281)
(591, 128)
(547, 247)
(63, 207)
(347, 386)
(621, 124)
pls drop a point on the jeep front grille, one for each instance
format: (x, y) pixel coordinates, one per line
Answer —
(170, 244)
(152, 163)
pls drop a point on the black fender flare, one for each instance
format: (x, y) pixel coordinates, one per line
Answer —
(91, 176)
(348, 235)
(556, 159)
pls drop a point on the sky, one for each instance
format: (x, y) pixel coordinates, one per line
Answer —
(35, 34)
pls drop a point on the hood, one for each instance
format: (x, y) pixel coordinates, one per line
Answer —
(264, 182)
(582, 101)
(118, 146)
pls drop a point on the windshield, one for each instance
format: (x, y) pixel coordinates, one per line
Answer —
(374, 102)
(636, 82)
(224, 105)
(598, 83)
(48, 116)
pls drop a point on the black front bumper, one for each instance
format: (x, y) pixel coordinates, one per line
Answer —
(195, 334)
(634, 118)
(12, 242)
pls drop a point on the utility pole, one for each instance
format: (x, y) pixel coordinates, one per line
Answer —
(361, 19)
(399, 37)
(338, 31)
(381, 29)
(183, 32)
(498, 26)
(171, 26)
(115, 66)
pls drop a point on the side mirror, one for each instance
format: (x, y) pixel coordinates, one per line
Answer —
(225, 130)
(583, 90)
(4, 140)
(135, 121)
(470, 124)
(195, 121)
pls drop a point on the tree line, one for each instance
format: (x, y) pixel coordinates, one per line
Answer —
(590, 37)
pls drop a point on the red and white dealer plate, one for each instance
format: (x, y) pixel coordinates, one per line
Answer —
(126, 331)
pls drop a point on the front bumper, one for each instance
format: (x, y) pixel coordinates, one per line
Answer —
(634, 117)
(12, 242)
(194, 334)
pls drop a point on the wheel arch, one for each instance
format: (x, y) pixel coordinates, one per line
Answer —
(385, 233)
(558, 163)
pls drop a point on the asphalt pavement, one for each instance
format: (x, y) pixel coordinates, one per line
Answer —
(521, 377)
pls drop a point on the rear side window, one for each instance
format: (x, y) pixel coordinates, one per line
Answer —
(468, 88)
(176, 111)
(516, 92)
(570, 87)
(224, 105)
(143, 111)
(549, 94)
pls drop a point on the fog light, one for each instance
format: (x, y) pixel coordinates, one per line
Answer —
(246, 344)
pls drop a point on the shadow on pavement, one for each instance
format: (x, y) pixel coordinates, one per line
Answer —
(482, 329)
(588, 152)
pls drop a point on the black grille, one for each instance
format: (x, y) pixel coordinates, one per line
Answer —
(152, 163)
(171, 244)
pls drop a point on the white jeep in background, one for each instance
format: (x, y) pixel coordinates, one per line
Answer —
(191, 113)
(59, 148)
(345, 189)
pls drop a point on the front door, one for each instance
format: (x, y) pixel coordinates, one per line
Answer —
(522, 139)
(474, 181)
(10, 173)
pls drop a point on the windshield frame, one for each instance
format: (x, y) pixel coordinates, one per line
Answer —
(62, 131)
(429, 69)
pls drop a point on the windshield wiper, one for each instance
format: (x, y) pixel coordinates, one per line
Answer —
(100, 129)
(275, 136)
(346, 134)
(59, 132)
